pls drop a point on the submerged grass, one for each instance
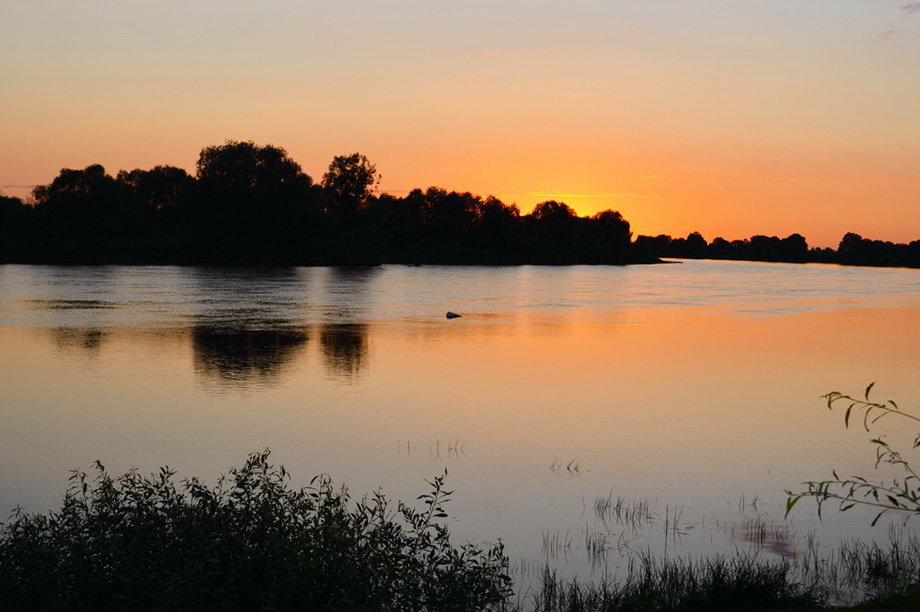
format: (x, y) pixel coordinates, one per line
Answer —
(742, 582)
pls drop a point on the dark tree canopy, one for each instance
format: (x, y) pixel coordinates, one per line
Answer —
(251, 196)
(87, 202)
(160, 187)
(553, 212)
(350, 182)
(246, 166)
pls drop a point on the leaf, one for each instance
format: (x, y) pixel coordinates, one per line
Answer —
(869, 388)
(846, 417)
(877, 517)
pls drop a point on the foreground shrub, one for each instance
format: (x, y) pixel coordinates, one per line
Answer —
(900, 495)
(250, 542)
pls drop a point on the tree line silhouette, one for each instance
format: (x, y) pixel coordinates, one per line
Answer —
(253, 204)
(852, 250)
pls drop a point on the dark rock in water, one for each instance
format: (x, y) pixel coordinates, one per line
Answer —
(453, 315)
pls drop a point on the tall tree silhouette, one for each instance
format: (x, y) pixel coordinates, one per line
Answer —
(349, 183)
(160, 187)
(86, 205)
(252, 196)
(14, 224)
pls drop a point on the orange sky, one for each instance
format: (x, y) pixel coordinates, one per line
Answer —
(724, 116)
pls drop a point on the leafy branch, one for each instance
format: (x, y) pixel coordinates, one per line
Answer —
(899, 495)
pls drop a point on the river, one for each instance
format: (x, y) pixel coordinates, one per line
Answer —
(688, 390)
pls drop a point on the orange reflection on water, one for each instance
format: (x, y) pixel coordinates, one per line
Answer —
(694, 406)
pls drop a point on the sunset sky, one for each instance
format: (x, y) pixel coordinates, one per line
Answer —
(731, 117)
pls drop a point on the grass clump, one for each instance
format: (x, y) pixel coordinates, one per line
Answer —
(250, 542)
(740, 582)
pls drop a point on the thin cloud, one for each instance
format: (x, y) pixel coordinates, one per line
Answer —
(714, 170)
(590, 194)
(491, 54)
(911, 7)
(744, 176)
(19, 186)
(888, 34)
(781, 178)
(480, 78)
(653, 177)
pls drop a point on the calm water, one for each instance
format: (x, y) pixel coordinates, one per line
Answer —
(692, 388)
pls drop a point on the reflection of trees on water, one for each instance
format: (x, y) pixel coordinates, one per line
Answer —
(254, 298)
(344, 348)
(80, 301)
(245, 331)
(343, 339)
(246, 326)
(73, 338)
(347, 293)
(245, 355)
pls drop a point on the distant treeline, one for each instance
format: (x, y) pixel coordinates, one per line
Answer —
(252, 204)
(852, 250)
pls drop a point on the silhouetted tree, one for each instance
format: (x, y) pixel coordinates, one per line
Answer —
(551, 232)
(246, 166)
(14, 225)
(448, 216)
(87, 206)
(695, 245)
(849, 244)
(161, 187)
(552, 212)
(601, 238)
(654, 246)
(253, 199)
(854, 249)
(10, 205)
(349, 183)
(499, 227)
(795, 248)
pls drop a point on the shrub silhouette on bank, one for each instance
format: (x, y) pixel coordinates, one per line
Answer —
(250, 542)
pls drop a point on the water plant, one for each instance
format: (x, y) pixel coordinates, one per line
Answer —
(740, 582)
(901, 495)
(250, 542)
(634, 514)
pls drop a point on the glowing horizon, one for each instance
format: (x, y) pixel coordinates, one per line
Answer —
(724, 117)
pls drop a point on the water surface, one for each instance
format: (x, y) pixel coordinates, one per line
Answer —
(692, 388)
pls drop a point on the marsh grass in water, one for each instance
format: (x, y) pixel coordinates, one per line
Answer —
(633, 514)
(741, 582)
(856, 571)
(884, 576)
